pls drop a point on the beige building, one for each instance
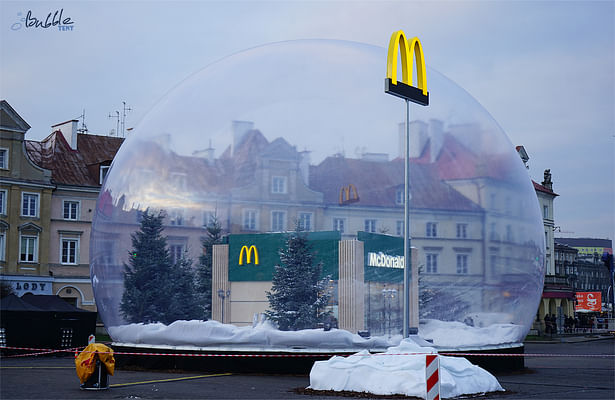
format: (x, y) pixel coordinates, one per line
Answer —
(25, 215)
(49, 191)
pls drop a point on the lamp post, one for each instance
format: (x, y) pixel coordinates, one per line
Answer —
(223, 295)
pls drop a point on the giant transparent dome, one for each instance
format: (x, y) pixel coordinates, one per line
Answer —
(300, 136)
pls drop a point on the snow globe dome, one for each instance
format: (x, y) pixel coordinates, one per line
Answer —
(298, 140)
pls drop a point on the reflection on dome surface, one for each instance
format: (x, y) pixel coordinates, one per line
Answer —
(301, 134)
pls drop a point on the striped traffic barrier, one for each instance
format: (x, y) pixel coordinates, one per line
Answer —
(432, 377)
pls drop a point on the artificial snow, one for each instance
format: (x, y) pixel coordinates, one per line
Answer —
(452, 334)
(441, 334)
(213, 333)
(400, 370)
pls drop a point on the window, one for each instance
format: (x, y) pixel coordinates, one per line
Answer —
(69, 251)
(104, 169)
(462, 263)
(399, 228)
(370, 225)
(249, 220)
(2, 246)
(494, 264)
(462, 231)
(29, 205)
(3, 194)
(338, 224)
(71, 210)
(176, 251)
(431, 229)
(176, 217)
(545, 212)
(178, 181)
(493, 234)
(509, 233)
(278, 184)
(431, 263)
(278, 221)
(399, 197)
(28, 248)
(305, 221)
(4, 158)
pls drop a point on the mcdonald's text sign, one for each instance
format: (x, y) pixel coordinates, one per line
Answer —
(399, 45)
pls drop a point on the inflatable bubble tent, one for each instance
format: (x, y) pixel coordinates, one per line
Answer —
(300, 136)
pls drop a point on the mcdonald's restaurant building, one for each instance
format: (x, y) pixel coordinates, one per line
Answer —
(360, 271)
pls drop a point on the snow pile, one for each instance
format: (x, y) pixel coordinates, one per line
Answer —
(458, 335)
(448, 334)
(214, 333)
(400, 371)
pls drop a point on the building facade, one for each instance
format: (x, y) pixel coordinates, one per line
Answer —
(50, 189)
(25, 198)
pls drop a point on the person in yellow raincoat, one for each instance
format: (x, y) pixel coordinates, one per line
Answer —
(86, 361)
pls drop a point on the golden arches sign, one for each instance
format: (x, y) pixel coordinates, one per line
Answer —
(405, 89)
(348, 194)
(248, 251)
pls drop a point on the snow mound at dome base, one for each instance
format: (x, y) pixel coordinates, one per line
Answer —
(401, 370)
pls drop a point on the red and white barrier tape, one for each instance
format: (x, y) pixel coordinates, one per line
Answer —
(49, 351)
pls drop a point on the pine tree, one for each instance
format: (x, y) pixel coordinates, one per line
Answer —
(204, 271)
(183, 303)
(298, 295)
(147, 274)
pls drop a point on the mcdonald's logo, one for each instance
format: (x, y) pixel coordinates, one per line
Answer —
(248, 251)
(348, 195)
(405, 88)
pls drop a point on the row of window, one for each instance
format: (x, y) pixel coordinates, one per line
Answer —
(28, 249)
(30, 206)
(431, 263)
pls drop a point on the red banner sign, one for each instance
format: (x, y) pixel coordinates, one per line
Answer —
(589, 301)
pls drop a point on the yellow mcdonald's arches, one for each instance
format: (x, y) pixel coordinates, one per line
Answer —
(406, 89)
(248, 251)
(348, 194)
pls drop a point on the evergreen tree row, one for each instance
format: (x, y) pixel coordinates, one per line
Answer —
(156, 289)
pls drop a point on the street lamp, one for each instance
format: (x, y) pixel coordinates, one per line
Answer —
(223, 295)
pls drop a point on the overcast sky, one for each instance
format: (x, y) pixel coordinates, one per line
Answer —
(544, 70)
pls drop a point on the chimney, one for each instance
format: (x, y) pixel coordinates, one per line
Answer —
(240, 128)
(304, 166)
(547, 180)
(208, 154)
(418, 138)
(69, 131)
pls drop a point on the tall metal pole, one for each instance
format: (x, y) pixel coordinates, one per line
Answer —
(407, 266)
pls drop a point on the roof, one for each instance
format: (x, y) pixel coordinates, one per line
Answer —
(585, 242)
(15, 303)
(540, 188)
(10, 120)
(50, 303)
(377, 184)
(78, 167)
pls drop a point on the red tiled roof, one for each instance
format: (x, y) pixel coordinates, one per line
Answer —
(74, 167)
(541, 188)
(378, 182)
